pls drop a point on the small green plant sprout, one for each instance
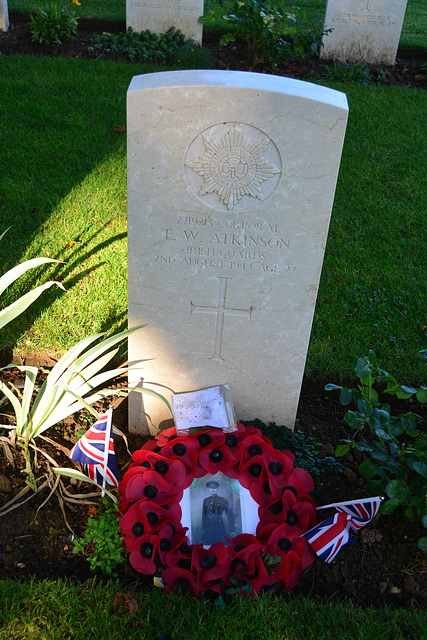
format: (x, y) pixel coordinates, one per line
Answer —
(52, 24)
(102, 541)
(140, 47)
(353, 71)
(394, 446)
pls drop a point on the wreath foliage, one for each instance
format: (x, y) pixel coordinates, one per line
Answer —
(150, 495)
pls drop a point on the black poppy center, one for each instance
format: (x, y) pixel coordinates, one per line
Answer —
(182, 584)
(184, 547)
(146, 464)
(138, 529)
(292, 518)
(184, 563)
(289, 488)
(179, 449)
(284, 544)
(255, 470)
(276, 507)
(216, 455)
(150, 491)
(266, 487)
(152, 517)
(204, 439)
(165, 544)
(147, 550)
(231, 440)
(237, 562)
(208, 562)
(254, 450)
(161, 466)
(275, 467)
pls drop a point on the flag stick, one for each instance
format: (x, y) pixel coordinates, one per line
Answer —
(344, 504)
(107, 447)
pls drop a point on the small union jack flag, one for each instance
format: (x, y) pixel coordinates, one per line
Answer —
(99, 464)
(328, 537)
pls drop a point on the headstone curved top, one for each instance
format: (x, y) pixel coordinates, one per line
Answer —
(231, 180)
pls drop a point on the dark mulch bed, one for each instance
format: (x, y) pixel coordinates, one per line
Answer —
(385, 567)
(406, 72)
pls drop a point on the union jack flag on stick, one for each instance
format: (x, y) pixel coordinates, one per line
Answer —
(328, 537)
(96, 456)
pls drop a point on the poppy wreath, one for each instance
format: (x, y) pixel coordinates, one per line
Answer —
(150, 495)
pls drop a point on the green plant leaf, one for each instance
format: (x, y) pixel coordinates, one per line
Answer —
(368, 469)
(420, 467)
(354, 420)
(346, 396)
(424, 520)
(341, 450)
(422, 543)
(362, 368)
(395, 490)
(422, 395)
(332, 387)
(389, 506)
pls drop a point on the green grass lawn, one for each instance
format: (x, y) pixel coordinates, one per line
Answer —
(54, 610)
(63, 193)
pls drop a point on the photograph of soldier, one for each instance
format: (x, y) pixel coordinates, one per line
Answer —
(213, 523)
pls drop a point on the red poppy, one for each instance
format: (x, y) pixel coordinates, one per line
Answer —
(170, 537)
(165, 436)
(212, 460)
(176, 579)
(254, 445)
(182, 449)
(209, 565)
(253, 470)
(143, 483)
(173, 470)
(143, 551)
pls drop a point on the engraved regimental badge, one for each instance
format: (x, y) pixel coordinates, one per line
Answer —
(229, 165)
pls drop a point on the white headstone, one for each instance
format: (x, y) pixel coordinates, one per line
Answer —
(231, 180)
(4, 16)
(363, 30)
(159, 15)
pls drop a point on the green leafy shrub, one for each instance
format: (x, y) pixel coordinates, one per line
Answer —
(102, 540)
(140, 47)
(52, 24)
(306, 450)
(357, 72)
(395, 447)
(269, 29)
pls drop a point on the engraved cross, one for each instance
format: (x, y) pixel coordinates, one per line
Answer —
(220, 310)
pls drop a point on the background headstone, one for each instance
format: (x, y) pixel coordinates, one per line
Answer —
(363, 30)
(4, 16)
(159, 15)
(231, 179)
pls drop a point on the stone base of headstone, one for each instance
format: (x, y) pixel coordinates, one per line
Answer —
(231, 180)
(159, 15)
(4, 16)
(363, 30)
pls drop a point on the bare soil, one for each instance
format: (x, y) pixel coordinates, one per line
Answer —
(385, 567)
(406, 72)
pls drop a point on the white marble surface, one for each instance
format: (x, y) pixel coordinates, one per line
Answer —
(159, 15)
(4, 16)
(231, 180)
(363, 30)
